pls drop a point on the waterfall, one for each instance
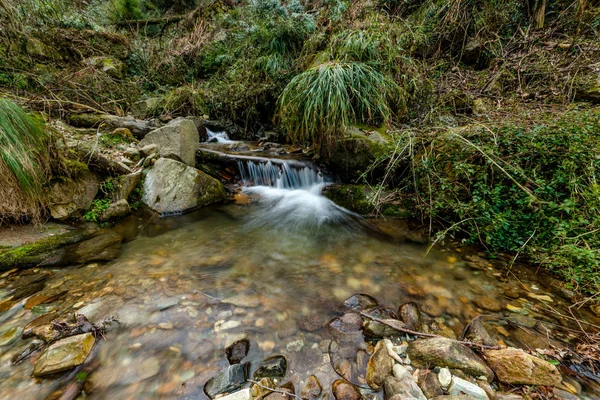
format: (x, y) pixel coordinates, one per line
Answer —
(220, 137)
(281, 174)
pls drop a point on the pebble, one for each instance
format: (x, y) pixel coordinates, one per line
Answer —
(445, 378)
(295, 346)
(460, 385)
(226, 325)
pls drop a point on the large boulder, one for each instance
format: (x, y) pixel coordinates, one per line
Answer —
(178, 139)
(443, 352)
(515, 367)
(70, 198)
(171, 187)
(357, 153)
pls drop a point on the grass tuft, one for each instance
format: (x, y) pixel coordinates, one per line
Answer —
(320, 104)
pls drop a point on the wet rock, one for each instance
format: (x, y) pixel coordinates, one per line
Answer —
(460, 386)
(355, 198)
(10, 335)
(116, 210)
(514, 366)
(171, 186)
(402, 385)
(64, 354)
(477, 333)
(430, 384)
(244, 300)
(488, 303)
(342, 390)
(178, 139)
(445, 378)
(310, 323)
(409, 314)
(295, 346)
(102, 308)
(262, 390)
(564, 395)
(374, 329)
(272, 367)
(224, 325)
(40, 327)
(123, 371)
(380, 365)
(237, 351)
(105, 246)
(448, 353)
(125, 185)
(312, 388)
(243, 394)
(71, 198)
(227, 380)
(165, 304)
(346, 328)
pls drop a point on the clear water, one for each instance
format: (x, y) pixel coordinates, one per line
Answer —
(274, 271)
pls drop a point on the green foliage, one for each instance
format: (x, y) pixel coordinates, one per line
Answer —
(23, 141)
(127, 10)
(96, 210)
(319, 105)
(527, 190)
(184, 100)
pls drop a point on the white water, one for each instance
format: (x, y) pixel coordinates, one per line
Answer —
(221, 137)
(289, 193)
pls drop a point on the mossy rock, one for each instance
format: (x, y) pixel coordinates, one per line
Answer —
(352, 197)
(359, 151)
(588, 89)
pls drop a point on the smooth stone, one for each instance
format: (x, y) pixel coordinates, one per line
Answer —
(295, 346)
(410, 314)
(116, 210)
(148, 150)
(226, 325)
(445, 378)
(10, 335)
(227, 380)
(403, 385)
(342, 390)
(167, 303)
(516, 367)
(312, 388)
(237, 351)
(102, 308)
(347, 328)
(447, 353)
(380, 365)
(375, 329)
(360, 302)
(477, 333)
(64, 354)
(243, 300)
(460, 386)
(429, 383)
(272, 367)
(243, 394)
(488, 303)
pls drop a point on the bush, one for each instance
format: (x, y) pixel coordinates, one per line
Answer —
(529, 190)
(320, 104)
(24, 162)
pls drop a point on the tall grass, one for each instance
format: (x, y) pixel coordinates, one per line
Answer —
(24, 162)
(319, 105)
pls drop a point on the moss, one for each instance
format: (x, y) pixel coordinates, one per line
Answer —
(75, 168)
(352, 197)
(36, 253)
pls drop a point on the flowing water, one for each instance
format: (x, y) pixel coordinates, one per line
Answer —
(274, 271)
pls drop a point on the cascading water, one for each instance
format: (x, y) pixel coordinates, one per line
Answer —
(289, 193)
(219, 137)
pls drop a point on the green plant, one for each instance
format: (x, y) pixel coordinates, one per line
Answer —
(97, 208)
(25, 162)
(319, 105)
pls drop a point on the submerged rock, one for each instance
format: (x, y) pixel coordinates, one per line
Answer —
(272, 367)
(65, 354)
(515, 367)
(342, 390)
(477, 333)
(171, 186)
(178, 139)
(312, 388)
(237, 351)
(360, 302)
(410, 314)
(227, 380)
(346, 328)
(443, 352)
(10, 335)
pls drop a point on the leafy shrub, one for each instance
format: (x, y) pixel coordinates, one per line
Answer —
(527, 190)
(96, 210)
(319, 105)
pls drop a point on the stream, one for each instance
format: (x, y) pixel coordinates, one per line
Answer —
(273, 268)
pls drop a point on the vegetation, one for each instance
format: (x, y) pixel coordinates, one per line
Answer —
(24, 162)
(320, 104)
(96, 210)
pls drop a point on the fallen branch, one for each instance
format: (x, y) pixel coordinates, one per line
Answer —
(275, 390)
(428, 335)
